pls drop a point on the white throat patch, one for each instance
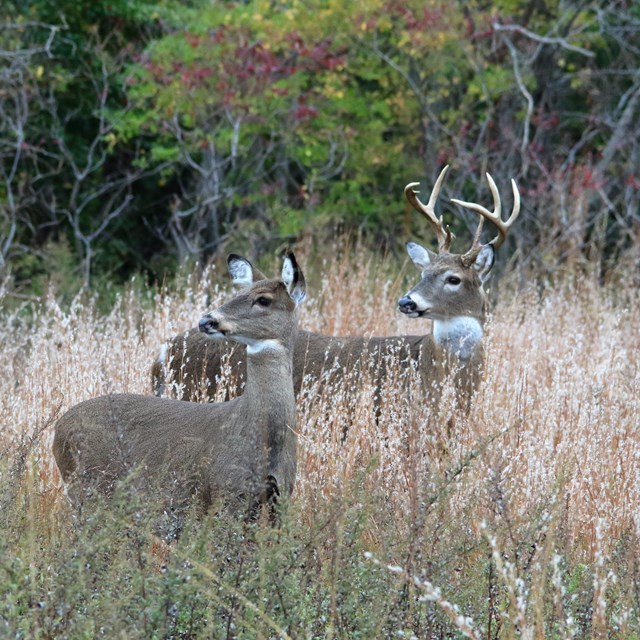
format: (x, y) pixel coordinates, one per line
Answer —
(264, 345)
(459, 336)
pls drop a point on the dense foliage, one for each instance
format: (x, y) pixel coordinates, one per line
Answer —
(135, 135)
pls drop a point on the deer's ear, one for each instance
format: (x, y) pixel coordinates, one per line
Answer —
(293, 278)
(484, 261)
(420, 256)
(242, 272)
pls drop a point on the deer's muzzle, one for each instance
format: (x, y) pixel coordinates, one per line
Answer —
(409, 306)
(209, 325)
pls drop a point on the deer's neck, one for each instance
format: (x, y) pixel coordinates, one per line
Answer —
(460, 336)
(268, 390)
(271, 408)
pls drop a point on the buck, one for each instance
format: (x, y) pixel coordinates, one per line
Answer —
(450, 293)
(244, 449)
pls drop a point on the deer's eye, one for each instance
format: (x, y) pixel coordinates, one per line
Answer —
(453, 280)
(263, 301)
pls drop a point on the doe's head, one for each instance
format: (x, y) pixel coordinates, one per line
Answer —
(263, 315)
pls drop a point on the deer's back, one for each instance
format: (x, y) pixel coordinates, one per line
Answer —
(198, 364)
(330, 360)
(184, 446)
(195, 363)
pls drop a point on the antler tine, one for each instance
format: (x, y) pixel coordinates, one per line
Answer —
(515, 212)
(494, 216)
(443, 234)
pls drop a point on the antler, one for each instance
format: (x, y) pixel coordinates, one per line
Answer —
(494, 216)
(443, 233)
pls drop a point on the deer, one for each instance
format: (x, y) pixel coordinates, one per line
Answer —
(450, 293)
(242, 451)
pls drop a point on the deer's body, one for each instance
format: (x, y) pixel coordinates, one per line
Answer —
(197, 365)
(449, 293)
(243, 449)
(211, 449)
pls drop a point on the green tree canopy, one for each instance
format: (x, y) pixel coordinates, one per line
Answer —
(161, 131)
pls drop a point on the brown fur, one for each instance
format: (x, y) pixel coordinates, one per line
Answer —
(197, 366)
(244, 448)
(200, 364)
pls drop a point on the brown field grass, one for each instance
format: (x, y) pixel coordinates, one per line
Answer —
(544, 471)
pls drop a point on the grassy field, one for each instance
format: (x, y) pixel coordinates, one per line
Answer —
(520, 520)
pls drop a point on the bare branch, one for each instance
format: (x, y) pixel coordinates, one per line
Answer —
(561, 42)
(526, 127)
(109, 217)
(623, 128)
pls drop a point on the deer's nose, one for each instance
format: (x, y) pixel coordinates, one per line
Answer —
(406, 304)
(208, 324)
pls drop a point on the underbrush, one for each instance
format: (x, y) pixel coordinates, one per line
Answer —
(519, 520)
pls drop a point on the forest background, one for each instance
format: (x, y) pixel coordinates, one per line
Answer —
(136, 135)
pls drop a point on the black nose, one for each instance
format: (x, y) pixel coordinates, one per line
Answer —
(407, 304)
(207, 324)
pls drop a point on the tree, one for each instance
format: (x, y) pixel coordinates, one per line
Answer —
(230, 103)
(143, 129)
(64, 172)
(19, 76)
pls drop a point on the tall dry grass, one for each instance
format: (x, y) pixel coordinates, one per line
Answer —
(526, 511)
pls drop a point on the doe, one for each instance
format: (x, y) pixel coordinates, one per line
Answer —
(244, 449)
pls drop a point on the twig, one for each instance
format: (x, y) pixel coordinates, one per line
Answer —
(463, 623)
(516, 28)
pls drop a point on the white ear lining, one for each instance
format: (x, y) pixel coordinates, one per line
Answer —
(419, 255)
(241, 271)
(484, 261)
(297, 289)
(288, 272)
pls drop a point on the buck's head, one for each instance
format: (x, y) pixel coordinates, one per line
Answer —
(451, 283)
(263, 315)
